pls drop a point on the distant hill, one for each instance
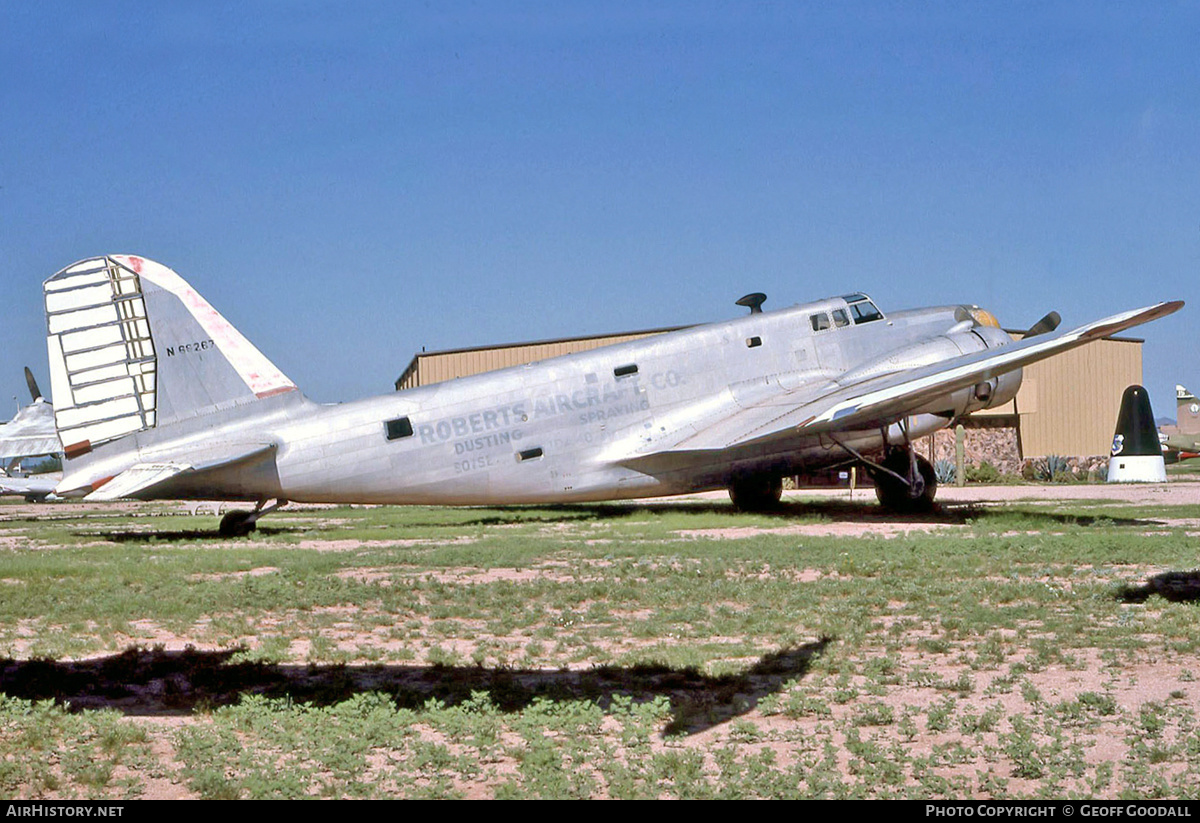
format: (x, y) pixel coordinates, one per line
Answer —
(1164, 421)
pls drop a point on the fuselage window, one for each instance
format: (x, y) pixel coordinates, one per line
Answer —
(625, 371)
(529, 454)
(400, 427)
(840, 319)
(820, 322)
(753, 342)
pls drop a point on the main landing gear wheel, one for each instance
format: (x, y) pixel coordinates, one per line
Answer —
(912, 497)
(756, 494)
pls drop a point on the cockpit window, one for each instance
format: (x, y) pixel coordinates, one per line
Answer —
(865, 312)
(820, 322)
(840, 319)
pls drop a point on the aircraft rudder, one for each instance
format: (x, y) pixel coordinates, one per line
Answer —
(133, 347)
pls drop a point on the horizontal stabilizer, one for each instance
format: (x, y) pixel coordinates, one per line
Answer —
(136, 479)
(35, 486)
(190, 479)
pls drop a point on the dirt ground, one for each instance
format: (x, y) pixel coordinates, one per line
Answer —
(1139, 686)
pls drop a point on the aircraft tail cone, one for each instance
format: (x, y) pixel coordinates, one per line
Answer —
(1136, 454)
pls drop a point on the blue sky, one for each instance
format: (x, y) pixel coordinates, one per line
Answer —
(349, 182)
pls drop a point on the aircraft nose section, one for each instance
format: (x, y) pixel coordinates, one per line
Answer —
(984, 317)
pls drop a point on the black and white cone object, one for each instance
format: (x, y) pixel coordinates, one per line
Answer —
(1136, 453)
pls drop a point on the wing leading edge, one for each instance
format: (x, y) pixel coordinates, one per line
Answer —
(887, 398)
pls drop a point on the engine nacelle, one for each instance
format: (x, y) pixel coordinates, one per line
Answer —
(964, 338)
(959, 340)
(998, 390)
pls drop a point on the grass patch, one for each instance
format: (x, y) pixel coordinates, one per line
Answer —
(598, 651)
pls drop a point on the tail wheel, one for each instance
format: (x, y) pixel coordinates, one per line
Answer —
(756, 494)
(241, 523)
(237, 524)
(912, 497)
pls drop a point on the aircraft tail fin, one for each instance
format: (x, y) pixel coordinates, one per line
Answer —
(1136, 452)
(1187, 411)
(133, 347)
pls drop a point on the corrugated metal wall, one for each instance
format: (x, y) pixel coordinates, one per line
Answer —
(434, 367)
(1069, 403)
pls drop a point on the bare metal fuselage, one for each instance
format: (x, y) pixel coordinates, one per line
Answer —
(605, 424)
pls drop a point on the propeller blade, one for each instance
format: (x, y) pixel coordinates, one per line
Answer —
(1048, 323)
(32, 384)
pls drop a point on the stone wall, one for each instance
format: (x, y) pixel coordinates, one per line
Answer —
(1092, 469)
(998, 445)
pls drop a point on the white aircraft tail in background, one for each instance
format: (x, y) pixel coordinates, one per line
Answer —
(31, 433)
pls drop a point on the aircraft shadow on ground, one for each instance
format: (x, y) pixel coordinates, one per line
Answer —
(143, 682)
(150, 536)
(865, 512)
(1177, 587)
(784, 512)
(834, 512)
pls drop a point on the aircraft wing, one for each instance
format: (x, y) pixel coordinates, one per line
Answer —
(886, 398)
(31, 433)
(141, 478)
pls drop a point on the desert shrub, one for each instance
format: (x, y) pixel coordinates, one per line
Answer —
(985, 472)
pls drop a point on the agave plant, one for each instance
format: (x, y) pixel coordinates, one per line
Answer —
(1052, 467)
(944, 471)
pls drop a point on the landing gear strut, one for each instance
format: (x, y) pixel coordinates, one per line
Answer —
(241, 523)
(905, 483)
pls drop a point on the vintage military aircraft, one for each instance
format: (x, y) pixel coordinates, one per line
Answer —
(31, 433)
(158, 396)
(1184, 442)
